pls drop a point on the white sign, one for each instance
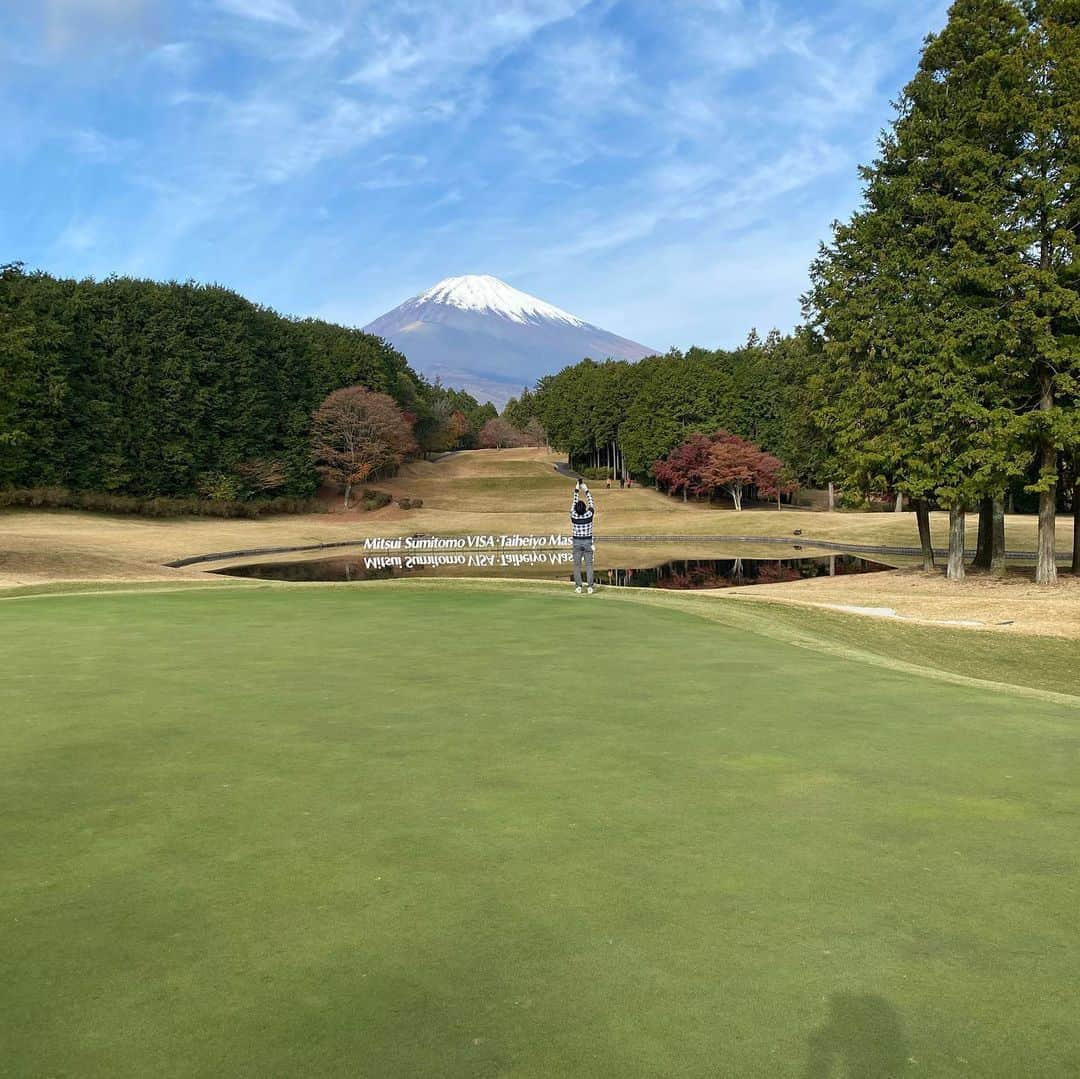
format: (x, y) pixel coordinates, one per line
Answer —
(487, 542)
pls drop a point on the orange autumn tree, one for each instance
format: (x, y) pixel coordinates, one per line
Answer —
(731, 466)
(357, 433)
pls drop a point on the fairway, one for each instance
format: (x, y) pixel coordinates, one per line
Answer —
(398, 831)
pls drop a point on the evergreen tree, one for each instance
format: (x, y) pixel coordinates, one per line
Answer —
(1044, 225)
(921, 380)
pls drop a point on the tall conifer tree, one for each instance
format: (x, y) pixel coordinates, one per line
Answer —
(921, 373)
(1044, 225)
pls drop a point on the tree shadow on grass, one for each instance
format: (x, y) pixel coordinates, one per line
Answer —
(863, 1038)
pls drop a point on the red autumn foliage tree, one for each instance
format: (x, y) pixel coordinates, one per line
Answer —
(722, 462)
(357, 433)
(734, 464)
(774, 478)
(684, 468)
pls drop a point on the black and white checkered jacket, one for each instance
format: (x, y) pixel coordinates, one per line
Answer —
(582, 526)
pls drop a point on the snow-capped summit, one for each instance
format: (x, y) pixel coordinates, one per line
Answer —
(482, 292)
(483, 335)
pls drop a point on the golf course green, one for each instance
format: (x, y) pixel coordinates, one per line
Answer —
(449, 831)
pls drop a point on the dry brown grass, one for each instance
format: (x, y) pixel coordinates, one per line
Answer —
(1014, 604)
(518, 491)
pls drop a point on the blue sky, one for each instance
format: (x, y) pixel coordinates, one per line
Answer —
(663, 169)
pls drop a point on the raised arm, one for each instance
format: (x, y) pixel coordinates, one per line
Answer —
(581, 491)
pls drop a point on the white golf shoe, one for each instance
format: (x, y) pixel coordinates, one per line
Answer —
(591, 590)
(578, 590)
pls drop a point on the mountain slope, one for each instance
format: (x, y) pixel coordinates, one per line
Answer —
(479, 333)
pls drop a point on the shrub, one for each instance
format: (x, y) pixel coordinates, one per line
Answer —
(291, 504)
(218, 487)
(373, 499)
(49, 497)
(417, 503)
(159, 507)
(595, 473)
(405, 503)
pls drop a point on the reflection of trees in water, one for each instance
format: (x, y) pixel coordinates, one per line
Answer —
(862, 1038)
(730, 573)
(775, 572)
(676, 575)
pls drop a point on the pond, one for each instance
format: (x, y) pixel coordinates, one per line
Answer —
(663, 572)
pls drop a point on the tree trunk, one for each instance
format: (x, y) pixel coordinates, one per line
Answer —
(832, 565)
(1046, 563)
(1076, 529)
(832, 497)
(684, 498)
(922, 517)
(997, 539)
(348, 492)
(736, 495)
(957, 524)
(985, 544)
(899, 502)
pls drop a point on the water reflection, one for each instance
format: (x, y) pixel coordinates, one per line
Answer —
(685, 574)
(678, 574)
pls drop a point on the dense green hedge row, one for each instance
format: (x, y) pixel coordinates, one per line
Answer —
(143, 389)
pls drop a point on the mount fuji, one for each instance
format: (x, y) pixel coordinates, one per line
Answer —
(480, 334)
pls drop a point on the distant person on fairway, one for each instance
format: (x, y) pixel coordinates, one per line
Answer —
(582, 511)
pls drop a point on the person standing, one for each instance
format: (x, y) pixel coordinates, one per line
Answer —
(582, 512)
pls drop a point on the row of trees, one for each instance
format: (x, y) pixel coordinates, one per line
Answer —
(628, 415)
(500, 433)
(452, 420)
(139, 388)
(948, 307)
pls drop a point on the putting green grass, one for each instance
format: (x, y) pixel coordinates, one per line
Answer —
(448, 832)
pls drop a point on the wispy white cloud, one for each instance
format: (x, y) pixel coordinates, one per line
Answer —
(178, 58)
(80, 236)
(279, 12)
(96, 146)
(437, 44)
